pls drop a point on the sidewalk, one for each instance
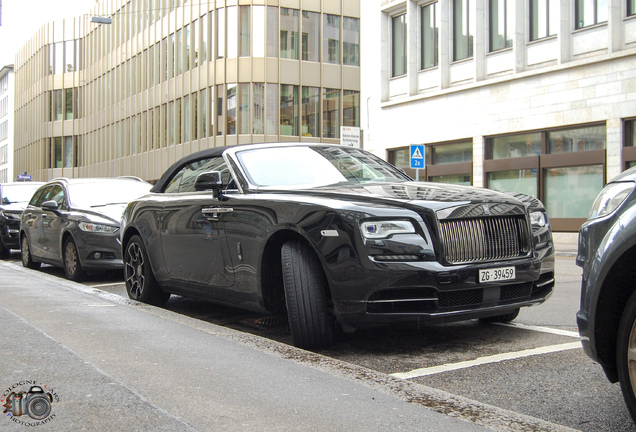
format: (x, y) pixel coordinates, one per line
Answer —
(112, 364)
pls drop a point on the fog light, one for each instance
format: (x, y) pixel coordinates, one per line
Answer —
(98, 255)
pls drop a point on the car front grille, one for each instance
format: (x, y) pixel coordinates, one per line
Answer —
(484, 239)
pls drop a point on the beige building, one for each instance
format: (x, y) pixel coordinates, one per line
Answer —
(155, 80)
(534, 96)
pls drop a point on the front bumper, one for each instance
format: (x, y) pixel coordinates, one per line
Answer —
(10, 233)
(99, 251)
(428, 291)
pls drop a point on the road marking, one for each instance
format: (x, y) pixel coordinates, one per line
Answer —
(541, 329)
(487, 360)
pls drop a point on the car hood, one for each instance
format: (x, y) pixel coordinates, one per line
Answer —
(112, 212)
(13, 207)
(438, 197)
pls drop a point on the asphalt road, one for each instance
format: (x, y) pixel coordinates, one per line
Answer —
(534, 367)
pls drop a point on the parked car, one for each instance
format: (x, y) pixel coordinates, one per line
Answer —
(13, 198)
(74, 224)
(331, 234)
(607, 253)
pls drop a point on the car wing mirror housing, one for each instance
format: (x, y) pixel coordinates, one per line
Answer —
(50, 206)
(210, 180)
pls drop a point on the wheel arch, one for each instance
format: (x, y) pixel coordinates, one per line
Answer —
(272, 290)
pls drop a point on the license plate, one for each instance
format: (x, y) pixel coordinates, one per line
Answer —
(496, 274)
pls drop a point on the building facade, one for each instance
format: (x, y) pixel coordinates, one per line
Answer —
(535, 96)
(166, 78)
(6, 124)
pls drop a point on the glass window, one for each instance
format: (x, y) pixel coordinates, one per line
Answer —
(258, 30)
(68, 104)
(331, 113)
(59, 58)
(271, 110)
(543, 18)
(452, 153)
(187, 35)
(577, 140)
(70, 56)
(501, 24)
(178, 53)
(631, 7)
(460, 179)
(178, 120)
(590, 12)
(398, 44)
(184, 180)
(289, 110)
(430, 34)
(518, 180)
(203, 113)
(186, 120)
(310, 111)
(331, 37)
(351, 41)
(57, 152)
(244, 31)
(463, 30)
(351, 108)
(258, 107)
(289, 33)
(311, 36)
(59, 104)
(219, 109)
(171, 123)
(244, 108)
(231, 109)
(516, 146)
(220, 33)
(272, 31)
(171, 54)
(560, 202)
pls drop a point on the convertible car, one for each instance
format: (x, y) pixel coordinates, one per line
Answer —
(335, 238)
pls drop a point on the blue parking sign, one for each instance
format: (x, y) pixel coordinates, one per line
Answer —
(417, 156)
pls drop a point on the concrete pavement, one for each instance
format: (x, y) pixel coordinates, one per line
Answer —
(112, 364)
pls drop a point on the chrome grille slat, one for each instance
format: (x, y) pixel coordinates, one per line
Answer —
(484, 239)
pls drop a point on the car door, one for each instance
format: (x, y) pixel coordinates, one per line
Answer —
(51, 224)
(192, 235)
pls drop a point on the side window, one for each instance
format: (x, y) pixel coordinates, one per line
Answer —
(58, 195)
(36, 199)
(184, 180)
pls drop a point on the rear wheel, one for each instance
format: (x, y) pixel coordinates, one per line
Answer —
(141, 284)
(626, 354)
(27, 259)
(311, 325)
(72, 265)
(502, 318)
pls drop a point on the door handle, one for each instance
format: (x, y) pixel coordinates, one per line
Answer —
(212, 213)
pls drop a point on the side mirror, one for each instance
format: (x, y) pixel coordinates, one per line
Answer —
(50, 206)
(210, 180)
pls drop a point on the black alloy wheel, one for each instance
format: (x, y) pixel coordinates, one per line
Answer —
(311, 324)
(141, 284)
(27, 259)
(626, 354)
(72, 264)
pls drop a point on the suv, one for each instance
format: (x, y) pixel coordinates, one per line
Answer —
(607, 254)
(13, 198)
(74, 224)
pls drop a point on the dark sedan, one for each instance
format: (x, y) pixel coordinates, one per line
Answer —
(607, 253)
(13, 198)
(74, 224)
(333, 235)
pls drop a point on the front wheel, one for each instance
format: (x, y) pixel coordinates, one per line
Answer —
(311, 325)
(141, 284)
(626, 354)
(27, 259)
(72, 264)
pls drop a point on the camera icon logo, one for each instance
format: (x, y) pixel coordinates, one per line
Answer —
(36, 403)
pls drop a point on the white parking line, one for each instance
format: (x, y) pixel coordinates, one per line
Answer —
(541, 329)
(486, 360)
(105, 285)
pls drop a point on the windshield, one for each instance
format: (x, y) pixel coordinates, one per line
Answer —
(106, 192)
(18, 193)
(313, 166)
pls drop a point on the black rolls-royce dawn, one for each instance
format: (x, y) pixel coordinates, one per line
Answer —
(333, 236)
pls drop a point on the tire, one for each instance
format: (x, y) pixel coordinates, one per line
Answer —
(27, 259)
(626, 354)
(71, 260)
(4, 252)
(502, 318)
(141, 284)
(311, 325)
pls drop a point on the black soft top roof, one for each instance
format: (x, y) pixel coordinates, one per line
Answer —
(203, 154)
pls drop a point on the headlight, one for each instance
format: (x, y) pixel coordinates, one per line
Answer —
(610, 198)
(97, 228)
(384, 229)
(538, 219)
